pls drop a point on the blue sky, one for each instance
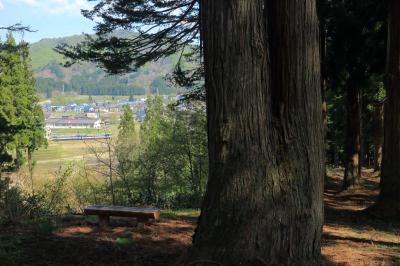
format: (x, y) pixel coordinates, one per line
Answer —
(51, 18)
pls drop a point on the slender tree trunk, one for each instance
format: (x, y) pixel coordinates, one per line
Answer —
(110, 169)
(30, 168)
(362, 140)
(389, 198)
(378, 135)
(321, 6)
(352, 172)
(263, 203)
(18, 158)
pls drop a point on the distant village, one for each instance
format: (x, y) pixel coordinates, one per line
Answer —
(94, 115)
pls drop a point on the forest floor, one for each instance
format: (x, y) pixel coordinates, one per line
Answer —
(351, 236)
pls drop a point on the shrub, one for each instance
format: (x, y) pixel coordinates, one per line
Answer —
(17, 206)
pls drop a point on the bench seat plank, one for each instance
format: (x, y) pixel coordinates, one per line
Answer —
(146, 213)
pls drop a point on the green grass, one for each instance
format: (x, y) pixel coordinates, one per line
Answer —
(124, 239)
(174, 214)
(48, 160)
(58, 150)
(63, 100)
(53, 151)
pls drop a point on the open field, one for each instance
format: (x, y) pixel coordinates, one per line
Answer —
(61, 100)
(111, 130)
(59, 150)
(48, 160)
(351, 236)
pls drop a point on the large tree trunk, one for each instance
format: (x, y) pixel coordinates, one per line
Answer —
(378, 135)
(389, 198)
(264, 197)
(352, 172)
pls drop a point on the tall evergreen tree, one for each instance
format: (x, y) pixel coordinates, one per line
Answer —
(378, 134)
(126, 125)
(263, 203)
(355, 48)
(155, 127)
(389, 198)
(33, 134)
(14, 100)
(265, 135)
(23, 120)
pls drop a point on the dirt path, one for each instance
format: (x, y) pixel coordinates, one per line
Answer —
(350, 236)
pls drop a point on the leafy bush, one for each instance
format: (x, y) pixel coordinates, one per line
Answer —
(46, 226)
(16, 206)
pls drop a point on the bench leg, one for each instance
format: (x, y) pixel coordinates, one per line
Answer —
(104, 221)
(143, 220)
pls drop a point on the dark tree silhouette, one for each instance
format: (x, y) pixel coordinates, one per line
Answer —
(389, 198)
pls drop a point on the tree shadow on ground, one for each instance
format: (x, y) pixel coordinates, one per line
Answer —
(351, 233)
(328, 236)
(80, 242)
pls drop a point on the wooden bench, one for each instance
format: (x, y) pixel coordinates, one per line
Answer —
(104, 213)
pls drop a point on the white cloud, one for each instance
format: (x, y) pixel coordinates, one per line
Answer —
(1, 5)
(56, 7)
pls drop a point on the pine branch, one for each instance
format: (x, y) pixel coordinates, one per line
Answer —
(17, 28)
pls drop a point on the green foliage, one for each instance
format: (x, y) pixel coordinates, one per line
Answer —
(355, 33)
(71, 190)
(13, 100)
(46, 226)
(163, 30)
(16, 205)
(160, 86)
(125, 240)
(162, 163)
(170, 167)
(22, 120)
(126, 126)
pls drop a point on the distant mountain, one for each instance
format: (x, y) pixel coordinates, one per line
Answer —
(86, 78)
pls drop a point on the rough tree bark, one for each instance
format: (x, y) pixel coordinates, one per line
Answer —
(321, 7)
(389, 198)
(352, 172)
(378, 135)
(263, 204)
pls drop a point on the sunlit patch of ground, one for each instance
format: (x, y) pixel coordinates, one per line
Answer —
(78, 241)
(351, 235)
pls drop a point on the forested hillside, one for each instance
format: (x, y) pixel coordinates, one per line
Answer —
(86, 78)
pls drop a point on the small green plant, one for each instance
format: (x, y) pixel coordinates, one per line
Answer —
(46, 226)
(124, 239)
(174, 214)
